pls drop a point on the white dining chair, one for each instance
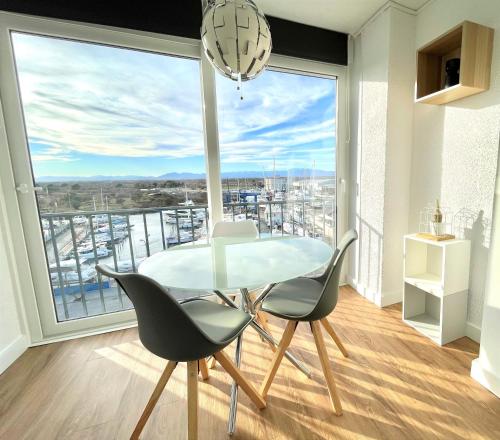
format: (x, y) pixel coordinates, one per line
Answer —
(245, 228)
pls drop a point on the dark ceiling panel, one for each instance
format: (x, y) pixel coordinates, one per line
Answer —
(183, 18)
(302, 41)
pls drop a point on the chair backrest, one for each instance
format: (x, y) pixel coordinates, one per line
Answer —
(164, 327)
(331, 277)
(245, 228)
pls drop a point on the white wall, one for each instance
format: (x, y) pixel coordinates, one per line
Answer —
(381, 114)
(402, 67)
(456, 145)
(13, 340)
(486, 369)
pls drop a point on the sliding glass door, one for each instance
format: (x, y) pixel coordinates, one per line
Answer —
(114, 138)
(278, 152)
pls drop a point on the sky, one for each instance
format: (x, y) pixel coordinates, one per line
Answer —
(100, 110)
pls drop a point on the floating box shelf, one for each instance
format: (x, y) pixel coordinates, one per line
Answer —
(473, 44)
(436, 282)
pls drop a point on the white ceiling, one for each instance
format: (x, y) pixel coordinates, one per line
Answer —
(338, 15)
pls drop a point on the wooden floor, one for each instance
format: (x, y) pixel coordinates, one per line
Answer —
(395, 385)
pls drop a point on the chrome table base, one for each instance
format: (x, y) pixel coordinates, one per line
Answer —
(247, 305)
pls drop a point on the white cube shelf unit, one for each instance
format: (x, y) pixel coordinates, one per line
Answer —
(436, 284)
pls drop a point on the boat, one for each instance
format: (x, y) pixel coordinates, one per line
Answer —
(187, 224)
(198, 213)
(272, 215)
(119, 234)
(185, 237)
(89, 254)
(183, 217)
(69, 273)
(80, 220)
(127, 266)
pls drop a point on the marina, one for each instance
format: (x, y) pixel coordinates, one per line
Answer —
(122, 239)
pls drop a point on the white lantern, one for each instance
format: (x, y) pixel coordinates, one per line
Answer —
(236, 38)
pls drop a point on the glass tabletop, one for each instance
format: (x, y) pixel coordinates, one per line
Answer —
(235, 263)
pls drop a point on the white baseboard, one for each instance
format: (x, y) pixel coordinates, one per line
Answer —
(10, 353)
(389, 298)
(365, 292)
(486, 378)
(381, 300)
(473, 331)
(84, 334)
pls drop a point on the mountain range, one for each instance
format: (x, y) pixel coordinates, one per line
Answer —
(294, 172)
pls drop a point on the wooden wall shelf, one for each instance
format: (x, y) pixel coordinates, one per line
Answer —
(473, 44)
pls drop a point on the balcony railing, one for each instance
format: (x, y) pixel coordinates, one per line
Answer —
(76, 241)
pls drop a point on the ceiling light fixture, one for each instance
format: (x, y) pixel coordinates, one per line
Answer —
(236, 38)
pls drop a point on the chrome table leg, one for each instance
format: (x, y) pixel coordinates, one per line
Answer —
(248, 306)
(268, 337)
(234, 390)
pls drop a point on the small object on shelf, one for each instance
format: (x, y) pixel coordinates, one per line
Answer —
(469, 43)
(435, 220)
(438, 215)
(452, 72)
(436, 283)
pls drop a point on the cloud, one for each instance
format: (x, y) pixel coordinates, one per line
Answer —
(51, 157)
(87, 99)
(51, 153)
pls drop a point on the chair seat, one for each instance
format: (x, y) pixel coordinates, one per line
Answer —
(294, 299)
(220, 323)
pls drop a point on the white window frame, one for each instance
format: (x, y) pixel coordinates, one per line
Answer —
(15, 155)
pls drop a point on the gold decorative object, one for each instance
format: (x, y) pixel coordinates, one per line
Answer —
(436, 221)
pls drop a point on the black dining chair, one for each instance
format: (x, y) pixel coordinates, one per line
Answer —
(310, 300)
(183, 332)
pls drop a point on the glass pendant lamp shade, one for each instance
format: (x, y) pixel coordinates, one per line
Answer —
(236, 38)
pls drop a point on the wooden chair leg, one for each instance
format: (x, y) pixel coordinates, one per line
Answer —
(325, 365)
(212, 363)
(235, 373)
(278, 356)
(334, 336)
(202, 366)
(153, 399)
(192, 399)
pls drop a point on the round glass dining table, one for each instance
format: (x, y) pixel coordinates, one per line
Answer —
(239, 263)
(236, 263)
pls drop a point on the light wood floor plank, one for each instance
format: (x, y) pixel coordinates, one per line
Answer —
(396, 384)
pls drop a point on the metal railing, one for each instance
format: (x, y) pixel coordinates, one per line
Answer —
(76, 241)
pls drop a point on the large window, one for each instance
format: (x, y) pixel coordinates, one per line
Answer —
(278, 152)
(112, 134)
(116, 143)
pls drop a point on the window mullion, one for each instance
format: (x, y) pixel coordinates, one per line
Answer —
(211, 139)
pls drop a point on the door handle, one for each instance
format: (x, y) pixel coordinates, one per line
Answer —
(24, 188)
(342, 185)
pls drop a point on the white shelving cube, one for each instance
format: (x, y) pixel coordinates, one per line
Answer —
(436, 283)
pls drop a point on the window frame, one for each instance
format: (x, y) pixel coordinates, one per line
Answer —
(286, 64)
(14, 148)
